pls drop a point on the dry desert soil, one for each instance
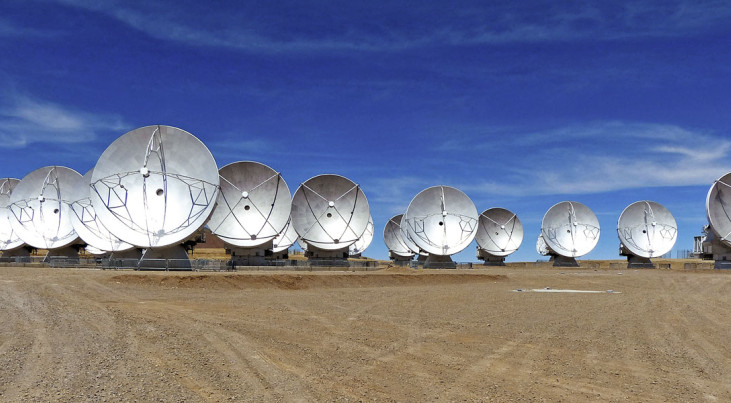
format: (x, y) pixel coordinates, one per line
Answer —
(390, 335)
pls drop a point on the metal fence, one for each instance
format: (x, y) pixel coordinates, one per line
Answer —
(18, 259)
(191, 264)
(415, 264)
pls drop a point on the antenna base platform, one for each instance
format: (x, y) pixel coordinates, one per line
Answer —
(400, 260)
(254, 256)
(327, 258)
(67, 254)
(639, 262)
(250, 260)
(283, 255)
(722, 264)
(439, 262)
(125, 259)
(17, 253)
(720, 251)
(489, 258)
(564, 261)
(173, 257)
(133, 253)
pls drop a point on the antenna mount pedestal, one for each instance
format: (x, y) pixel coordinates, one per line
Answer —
(721, 252)
(21, 252)
(439, 262)
(400, 260)
(639, 262)
(281, 255)
(69, 254)
(489, 258)
(634, 261)
(254, 256)
(564, 261)
(134, 253)
(174, 257)
(129, 258)
(327, 258)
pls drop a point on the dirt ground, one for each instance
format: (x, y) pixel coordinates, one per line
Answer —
(391, 335)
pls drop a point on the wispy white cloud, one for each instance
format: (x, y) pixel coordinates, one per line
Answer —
(375, 29)
(601, 157)
(25, 120)
(238, 147)
(391, 195)
(9, 29)
(599, 21)
(246, 144)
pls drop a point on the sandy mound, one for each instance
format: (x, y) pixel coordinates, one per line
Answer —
(300, 281)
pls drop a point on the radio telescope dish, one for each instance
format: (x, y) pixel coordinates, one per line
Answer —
(541, 246)
(285, 239)
(9, 240)
(570, 230)
(253, 205)
(357, 248)
(407, 239)
(154, 186)
(86, 223)
(499, 232)
(330, 212)
(394, 240)
(718, 208)
(302, 244)
(40, 210)
(647, 229)
(94, 251)
(718, 211)
(441, 220)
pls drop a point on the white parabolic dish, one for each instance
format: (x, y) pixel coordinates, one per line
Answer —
(407, 239)
(302, 244)
(441, 220)
(364, 241)
(285, 239)
(330, 212)
(570, 229)
(253, 205)
(9, 240)
(40, 210)
(393, 238)
(647, 229)
(154, 186)
(500, 232)
(86, 223)
(718, 208)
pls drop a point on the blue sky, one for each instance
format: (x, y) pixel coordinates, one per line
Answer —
(519, 104)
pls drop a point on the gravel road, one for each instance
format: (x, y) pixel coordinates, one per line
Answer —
(393, 335)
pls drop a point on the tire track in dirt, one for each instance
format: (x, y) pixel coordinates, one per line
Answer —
(703, 353)
(248, 371)
(426, 341)
(249, 367)
(24, 310)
